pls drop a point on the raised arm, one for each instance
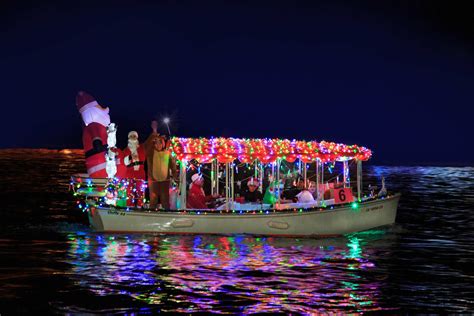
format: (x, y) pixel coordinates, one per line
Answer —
(149, 141)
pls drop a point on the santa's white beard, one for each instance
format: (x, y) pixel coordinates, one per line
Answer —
(133, 145)
(96, 115)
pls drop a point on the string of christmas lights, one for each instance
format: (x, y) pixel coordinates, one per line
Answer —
(116, 186)
(225, 150)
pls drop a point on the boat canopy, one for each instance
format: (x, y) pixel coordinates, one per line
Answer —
(247, 150)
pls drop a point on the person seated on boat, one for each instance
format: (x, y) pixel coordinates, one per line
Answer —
(161, 168)
(252, 194)
(383, 191)
(270, 196)
(312, 188)
(306, 195)
(289, 194)
(328, 190)
(197, 199)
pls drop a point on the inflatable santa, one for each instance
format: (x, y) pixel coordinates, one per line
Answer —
(94, 136)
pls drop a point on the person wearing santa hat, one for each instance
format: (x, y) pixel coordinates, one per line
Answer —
(96, 118)
(196, 198)
(134, 160)
(134, 157)
(252, 194)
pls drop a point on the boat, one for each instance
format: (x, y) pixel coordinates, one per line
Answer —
(339, 207)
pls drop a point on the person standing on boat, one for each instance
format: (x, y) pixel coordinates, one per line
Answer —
(134, 157)
(134, 160)
(96, 118)
(161, 167)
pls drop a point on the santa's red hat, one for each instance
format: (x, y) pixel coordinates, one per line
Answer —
(85, 101)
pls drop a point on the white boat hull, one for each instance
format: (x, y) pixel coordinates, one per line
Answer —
(314, 222)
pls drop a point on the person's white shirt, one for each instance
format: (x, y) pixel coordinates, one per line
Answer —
(305, 197)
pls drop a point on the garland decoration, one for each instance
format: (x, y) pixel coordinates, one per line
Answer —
(246, 150)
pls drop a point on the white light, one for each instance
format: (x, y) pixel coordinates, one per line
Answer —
(166, 120)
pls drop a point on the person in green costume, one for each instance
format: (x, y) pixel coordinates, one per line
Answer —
(270, 194)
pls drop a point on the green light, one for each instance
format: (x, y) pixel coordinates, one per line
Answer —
(355, 205)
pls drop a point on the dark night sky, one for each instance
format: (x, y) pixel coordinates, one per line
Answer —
(395, 76)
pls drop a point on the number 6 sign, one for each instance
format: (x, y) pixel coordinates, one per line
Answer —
(343, 195)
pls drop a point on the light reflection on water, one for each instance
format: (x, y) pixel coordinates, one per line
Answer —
(229, 273)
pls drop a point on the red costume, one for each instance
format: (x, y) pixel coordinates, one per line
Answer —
(135, 167)
(196, 198)
(94, 136)
(136, 174)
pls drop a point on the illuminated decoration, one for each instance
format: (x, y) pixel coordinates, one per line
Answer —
(354, 205)
(78, 183)
(117, 192)
(166, 120)
(111, 167)
(111, 191)
(225, 150)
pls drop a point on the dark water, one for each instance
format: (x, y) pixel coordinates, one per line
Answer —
(51, 262)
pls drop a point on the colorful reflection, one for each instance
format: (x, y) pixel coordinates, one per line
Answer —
(236, 274)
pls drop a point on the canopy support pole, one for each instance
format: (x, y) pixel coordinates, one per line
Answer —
(273, 171)
(277, 191)
(182, 185)
(322, 174)
(317, 180)
(217, 176)
(232, 183)
(227, 186)
(359, 179)
(213, 175)
(256, 169)
(304, 174)
(346, 174)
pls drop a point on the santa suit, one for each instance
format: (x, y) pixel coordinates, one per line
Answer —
(94, 136)
(135, 167)
(196, 198)
(136, 175)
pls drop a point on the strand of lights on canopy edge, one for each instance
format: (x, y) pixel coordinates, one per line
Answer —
(204, 150)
